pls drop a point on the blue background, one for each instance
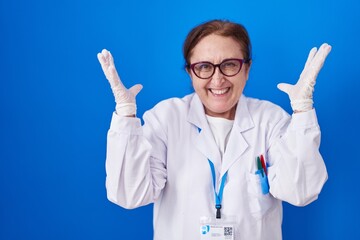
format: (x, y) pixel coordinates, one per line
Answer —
(56, 104)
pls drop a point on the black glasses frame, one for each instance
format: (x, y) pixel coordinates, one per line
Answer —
(241, 61)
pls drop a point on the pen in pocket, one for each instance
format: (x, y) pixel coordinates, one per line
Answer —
(262, 172)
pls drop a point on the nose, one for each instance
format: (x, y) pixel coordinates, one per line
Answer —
(218, 77)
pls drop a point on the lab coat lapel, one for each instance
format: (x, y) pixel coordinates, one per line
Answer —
(204, 140)
(237, 144)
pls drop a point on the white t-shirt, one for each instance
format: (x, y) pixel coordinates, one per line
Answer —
(221, 128)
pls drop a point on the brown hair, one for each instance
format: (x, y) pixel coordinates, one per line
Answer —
(223, 28)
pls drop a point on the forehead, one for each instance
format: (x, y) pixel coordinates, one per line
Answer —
(215, 48)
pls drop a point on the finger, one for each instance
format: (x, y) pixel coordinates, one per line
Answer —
(285, 87)
(308, 62)
(105, 53)
(104, 65)
(107, 63)
(325, 46)
(105, 58)
(321, 55)
(311, 55)
(114, 78)
(101, 58)
(103, 62)
(108, 56)
(135, 89)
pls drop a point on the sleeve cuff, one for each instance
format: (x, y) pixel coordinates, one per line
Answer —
(122, 124)
(304, 120)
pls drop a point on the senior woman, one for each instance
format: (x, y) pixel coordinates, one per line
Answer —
(215, 163)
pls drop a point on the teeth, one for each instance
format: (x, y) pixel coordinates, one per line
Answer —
(219, 91)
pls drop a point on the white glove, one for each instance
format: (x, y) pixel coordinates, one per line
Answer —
(124, 98)
(301, 93)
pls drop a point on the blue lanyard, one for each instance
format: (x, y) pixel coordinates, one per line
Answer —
(218, 196)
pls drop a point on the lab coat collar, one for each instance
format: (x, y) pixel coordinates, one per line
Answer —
(237, 143)
(243, 119)
(196, 114)
(205, 142)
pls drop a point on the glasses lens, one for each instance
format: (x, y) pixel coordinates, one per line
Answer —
(231, 67)
(203, 69)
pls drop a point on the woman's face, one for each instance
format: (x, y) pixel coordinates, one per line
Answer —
(219, 93)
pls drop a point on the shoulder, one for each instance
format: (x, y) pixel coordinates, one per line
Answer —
(172, 105)
(171, 108)
(263, 109)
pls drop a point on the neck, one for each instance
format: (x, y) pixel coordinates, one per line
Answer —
(230, 115)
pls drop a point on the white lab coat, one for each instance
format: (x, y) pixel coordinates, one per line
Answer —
(165, 162)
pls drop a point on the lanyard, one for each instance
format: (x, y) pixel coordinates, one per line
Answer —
(218, 196)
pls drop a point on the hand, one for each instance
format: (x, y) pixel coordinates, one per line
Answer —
(124, 98)
(301, 93)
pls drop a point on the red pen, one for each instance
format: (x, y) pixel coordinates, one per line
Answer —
(263, 164)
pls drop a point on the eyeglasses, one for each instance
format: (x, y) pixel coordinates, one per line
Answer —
(229, 67)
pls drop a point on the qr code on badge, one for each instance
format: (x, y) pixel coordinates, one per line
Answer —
(228, 231)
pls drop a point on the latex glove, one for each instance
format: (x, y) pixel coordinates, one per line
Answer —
(301, 94)
(124, 98)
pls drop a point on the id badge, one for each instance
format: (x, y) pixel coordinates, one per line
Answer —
(217, 229)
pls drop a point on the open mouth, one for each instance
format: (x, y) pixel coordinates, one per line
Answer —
(219, 92)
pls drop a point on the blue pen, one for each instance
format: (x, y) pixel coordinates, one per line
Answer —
(263, 177)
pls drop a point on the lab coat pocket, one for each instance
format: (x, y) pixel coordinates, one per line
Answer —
(260, 201)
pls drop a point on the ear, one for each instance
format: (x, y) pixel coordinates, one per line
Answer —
(247, 69)
(188, 70)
